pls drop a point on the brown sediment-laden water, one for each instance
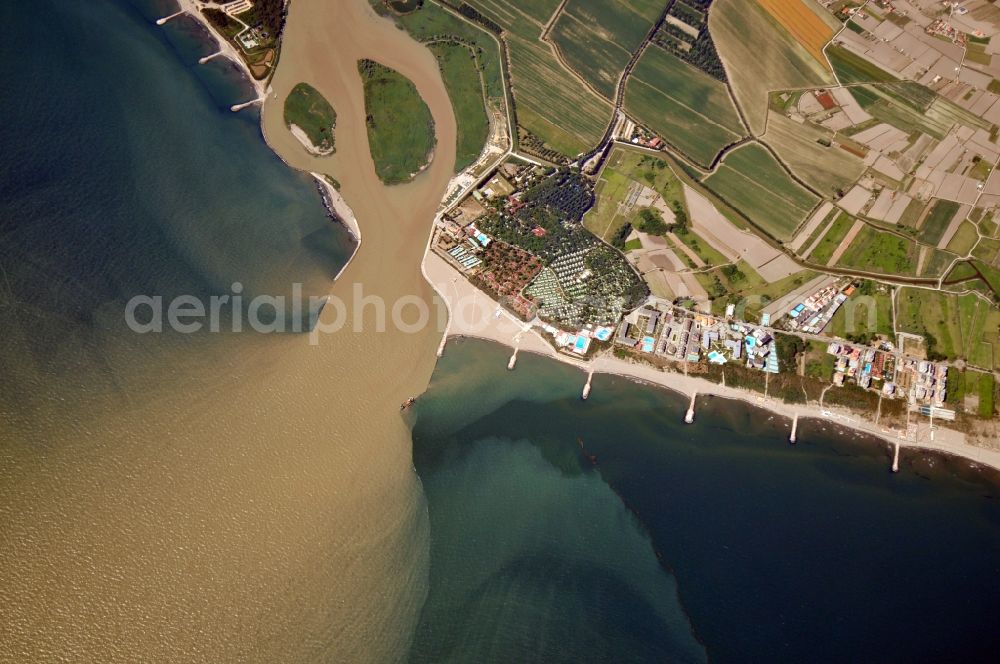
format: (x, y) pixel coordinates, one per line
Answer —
(242, 497)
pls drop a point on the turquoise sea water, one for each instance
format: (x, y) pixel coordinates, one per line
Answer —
(608, 530)
(123, 172)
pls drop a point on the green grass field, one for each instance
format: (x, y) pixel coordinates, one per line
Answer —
(306, 108)
(760, 57)
(461, 78)
(686, 106)
(751, 180)
(962, 326)
(876, 251)
(623, 167)
(834, 235)
(758, 295)
(434, 22)
(400, 126)
(551, 103)
(855, 317)
(987, 389)
(597, 37)
(964, 239)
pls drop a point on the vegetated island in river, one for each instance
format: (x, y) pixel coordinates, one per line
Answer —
(311, 119)
(400, 127)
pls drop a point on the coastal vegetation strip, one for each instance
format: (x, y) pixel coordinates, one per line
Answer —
(308, 111)
(400, 127)
(460, 73)
(684, 104)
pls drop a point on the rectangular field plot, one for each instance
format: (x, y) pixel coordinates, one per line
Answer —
(597, 37)
(686, 106)
(760, 56)
(551, 102)
(751, 180)
(877, 251)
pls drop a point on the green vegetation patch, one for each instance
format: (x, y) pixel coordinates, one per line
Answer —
(964, 239)
(551, 103)
(751, 180)
(623, 170)
(987, 394)
(431, 22)
(853, 68)
(308, 110)
(955, 326)
(878, 251)
(461, 77)
(597, 37)
(866, 314)
(685, 105)
(937, 221)
(834, 236)
(400, 126)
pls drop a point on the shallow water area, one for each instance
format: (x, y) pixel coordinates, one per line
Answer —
(715, 539)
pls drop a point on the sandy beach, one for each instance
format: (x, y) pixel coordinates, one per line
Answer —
(473, 314)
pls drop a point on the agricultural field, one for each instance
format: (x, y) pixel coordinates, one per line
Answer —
(597, 38)
(686, 106)
(956, 326)
(827, 169)
(685, 34)
(551, 103)
(964, 239)
(751, 180)
(912, 107)
(458, 70)
(937, 221)
(851, 68)
(309, 112)
(834, 236)
(760, 57)
(400, 126)
(877, 251)
(806, 25)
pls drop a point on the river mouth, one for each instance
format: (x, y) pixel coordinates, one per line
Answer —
(215, 497)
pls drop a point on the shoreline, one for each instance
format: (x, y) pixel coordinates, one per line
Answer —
(226, 50)
(483, 324)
